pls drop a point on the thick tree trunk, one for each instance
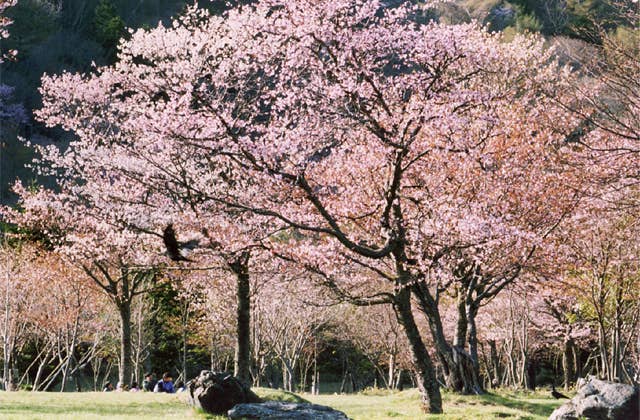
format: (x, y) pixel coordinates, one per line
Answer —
(577, 366)
(461, 325)
(425, 374)
(126, 362)
(531, 374)
(242, 362)
(463, 372)
(472, 332)
(457, 364)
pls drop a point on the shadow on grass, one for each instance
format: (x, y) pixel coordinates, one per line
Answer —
(203, 414)
(538, 408)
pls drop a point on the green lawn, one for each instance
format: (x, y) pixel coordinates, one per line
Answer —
(92, 405)
(405, 405)
(364, 406)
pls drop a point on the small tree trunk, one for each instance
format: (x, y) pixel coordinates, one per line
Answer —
(185, 325)
(616, 338)
(392, 368)
(495, 364)
(139, 345)
(70, 352)
(397, 384)
(345, 372)
(577, 368)
(315, 388)
(212, 355)
(6, 349)
(44, 361)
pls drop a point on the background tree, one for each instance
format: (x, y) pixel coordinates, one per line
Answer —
(109, 27)
(605, 274)
(118, 262)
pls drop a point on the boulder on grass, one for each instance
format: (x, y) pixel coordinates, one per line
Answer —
(601, 400)
(218, 392)
(283, 410)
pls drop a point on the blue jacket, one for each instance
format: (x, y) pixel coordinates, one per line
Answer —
(164, 386)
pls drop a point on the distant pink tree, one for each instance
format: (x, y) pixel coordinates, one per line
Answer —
(8, 111)
(5, 22)
(121, 263)
(601, 249)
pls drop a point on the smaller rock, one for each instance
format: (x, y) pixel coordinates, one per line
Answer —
(217, 392)
(565, 412)
(600, 400)
(282, 410)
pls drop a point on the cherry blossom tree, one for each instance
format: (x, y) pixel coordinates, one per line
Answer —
(610, 111)
(603, 272)
(597, 247)
(417, 158)
(16, 292)
(5, 22)
(561, 320)
(67, 312)
(607, 102)
(124, 198)
(287, 326)
(48, 305)
(120, 262)
(376, 332)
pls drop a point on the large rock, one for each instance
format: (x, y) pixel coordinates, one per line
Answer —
(282, 410)
(218, 392)
(601, 400)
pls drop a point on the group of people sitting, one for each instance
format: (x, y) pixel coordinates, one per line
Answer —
(150, 384)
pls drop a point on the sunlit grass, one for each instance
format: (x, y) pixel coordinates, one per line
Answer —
(406, 405)
(371, 405)
(92, 405)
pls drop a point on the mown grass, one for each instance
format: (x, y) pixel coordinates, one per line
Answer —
(405, 405)
(92, 405)
(371, 405)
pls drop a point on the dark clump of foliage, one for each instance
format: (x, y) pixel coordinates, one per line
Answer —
(109, 27)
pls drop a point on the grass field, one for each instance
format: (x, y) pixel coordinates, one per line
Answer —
(364, 406)
(405, 405)
(92, 405)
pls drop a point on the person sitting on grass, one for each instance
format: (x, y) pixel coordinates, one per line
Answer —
(165, 384)
(107, 387)
(180, 386)
(134, 387)
(149, 382)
